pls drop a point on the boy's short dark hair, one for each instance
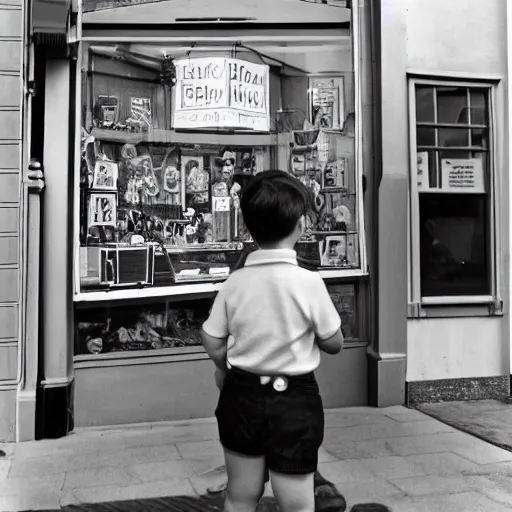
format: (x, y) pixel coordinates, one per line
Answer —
(272, 203)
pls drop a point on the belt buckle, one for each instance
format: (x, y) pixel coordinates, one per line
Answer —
(280, 384)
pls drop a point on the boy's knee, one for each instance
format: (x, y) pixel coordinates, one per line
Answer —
(244, 493)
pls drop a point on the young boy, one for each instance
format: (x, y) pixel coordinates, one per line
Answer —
(265, 332)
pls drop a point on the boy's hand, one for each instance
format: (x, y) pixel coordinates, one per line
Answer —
(220, 376)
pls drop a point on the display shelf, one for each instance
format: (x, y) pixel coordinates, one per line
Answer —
(195, 349)
(195, 248)
(194, 289)
(140, 357)
(180, 137)
(333, 233)
(341, 273)
(178, 290)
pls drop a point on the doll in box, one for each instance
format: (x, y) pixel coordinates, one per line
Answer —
(197, 181)
(142, 183)
(224, 174)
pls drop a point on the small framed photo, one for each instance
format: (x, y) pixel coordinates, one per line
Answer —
(102, 210)
(335, 250)
(196, 180)
(326, 102)
(141, 111)
(105, 175)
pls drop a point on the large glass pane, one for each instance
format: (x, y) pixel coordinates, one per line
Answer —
(425, 105)
(479, 137)
(425, 136)
(479, 106)
(452, 105)
(173, 132)
(454, 244)
(453, 137)
(121, 328)
(344, 299)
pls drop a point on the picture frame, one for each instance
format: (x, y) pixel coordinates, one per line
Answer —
(334, 174)
(196, 181)
(105, 176)
(327, 102)
(106, 111)
(102, 210)
(141, 112)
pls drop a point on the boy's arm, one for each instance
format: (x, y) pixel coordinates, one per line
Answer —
(215, 331)
(325, 318)
(217, 349)
(332, 345)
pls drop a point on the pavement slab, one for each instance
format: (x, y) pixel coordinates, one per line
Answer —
(397, 457)
(472, 501)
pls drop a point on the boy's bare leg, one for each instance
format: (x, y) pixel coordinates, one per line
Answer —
(294, 493)
(245, 482)
(222, 485)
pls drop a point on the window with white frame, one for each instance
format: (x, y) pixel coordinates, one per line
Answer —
(452, 200)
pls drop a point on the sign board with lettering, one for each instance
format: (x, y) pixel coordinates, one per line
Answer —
(222, 93)
(464, 176)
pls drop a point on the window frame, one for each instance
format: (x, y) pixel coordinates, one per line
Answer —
(342, 275)
(416, 301)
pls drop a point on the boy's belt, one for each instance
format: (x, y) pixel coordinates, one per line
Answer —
(279, 382)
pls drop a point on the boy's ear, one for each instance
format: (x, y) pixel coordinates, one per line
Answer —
(302, 224)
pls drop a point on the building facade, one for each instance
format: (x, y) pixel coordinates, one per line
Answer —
(147, 131)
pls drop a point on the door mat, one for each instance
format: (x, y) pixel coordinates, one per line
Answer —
(204, 504)
(171, 504)
(488, 420)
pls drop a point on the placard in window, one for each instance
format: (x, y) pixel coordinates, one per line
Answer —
(462, 176)
(216, 92)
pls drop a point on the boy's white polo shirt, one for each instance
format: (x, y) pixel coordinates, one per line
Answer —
(272, 309)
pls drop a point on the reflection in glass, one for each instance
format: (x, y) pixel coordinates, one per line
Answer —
(453, 245)
(344, 299)
(479, 106)
(453, 137)
(425, 112)
(452, 103)
(479, 137)
(425, 136)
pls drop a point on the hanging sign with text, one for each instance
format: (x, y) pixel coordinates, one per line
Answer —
(465, 176)
(216, 92)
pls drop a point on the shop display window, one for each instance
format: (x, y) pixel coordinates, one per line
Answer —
(173, 132)
(121, 328)
(453, 189)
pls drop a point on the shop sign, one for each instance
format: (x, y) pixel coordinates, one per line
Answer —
(217, 92)
(462, 176)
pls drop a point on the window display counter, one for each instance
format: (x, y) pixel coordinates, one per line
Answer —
(170, 134)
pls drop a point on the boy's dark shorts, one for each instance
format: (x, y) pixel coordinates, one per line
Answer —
(285, 427)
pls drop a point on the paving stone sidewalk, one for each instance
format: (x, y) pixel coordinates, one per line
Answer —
(395, 456)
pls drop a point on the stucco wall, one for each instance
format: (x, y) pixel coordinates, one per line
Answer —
(462, 38)
(457, 36)
(11, 32)
(455, 348)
